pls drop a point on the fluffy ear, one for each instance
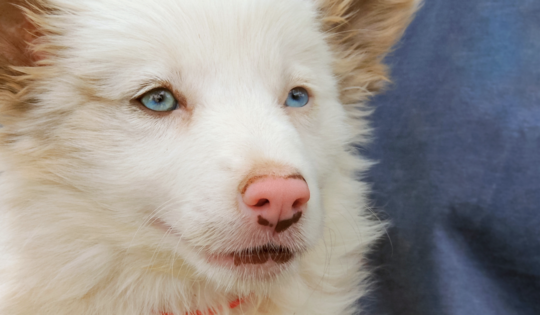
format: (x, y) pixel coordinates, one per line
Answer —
(17, 33)
(19, 37)
(361, 33)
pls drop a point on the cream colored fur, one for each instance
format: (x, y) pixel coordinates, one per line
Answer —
(87, 171)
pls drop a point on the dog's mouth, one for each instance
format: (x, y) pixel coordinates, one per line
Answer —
(268, 254)
(260, 255)
(261, 258)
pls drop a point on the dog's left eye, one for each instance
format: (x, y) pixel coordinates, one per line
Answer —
(298, 97)
(159, 100)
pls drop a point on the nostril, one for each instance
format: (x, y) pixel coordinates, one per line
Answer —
(298, 203)
(262, 202)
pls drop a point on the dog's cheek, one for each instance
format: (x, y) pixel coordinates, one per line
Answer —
(324, 133)
(118, 156)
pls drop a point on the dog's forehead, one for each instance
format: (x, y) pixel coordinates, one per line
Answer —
(201, 36)
(239, 34)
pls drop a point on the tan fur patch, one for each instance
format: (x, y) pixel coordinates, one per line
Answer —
(22, 52)
(362, 33)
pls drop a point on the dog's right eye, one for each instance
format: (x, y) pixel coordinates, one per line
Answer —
(298, 97)
(159, 100)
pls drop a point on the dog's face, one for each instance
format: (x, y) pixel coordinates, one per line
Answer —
(179, 176)
(159, 120)
(174, 180)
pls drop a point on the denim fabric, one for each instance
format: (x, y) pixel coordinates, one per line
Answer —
(457, 138)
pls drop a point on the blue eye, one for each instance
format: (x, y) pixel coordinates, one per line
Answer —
(159, 100)
(298, 97)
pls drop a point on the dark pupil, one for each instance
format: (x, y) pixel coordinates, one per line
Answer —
(158, 97)
(296, 94)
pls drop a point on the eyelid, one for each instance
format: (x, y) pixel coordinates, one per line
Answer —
(149, 88)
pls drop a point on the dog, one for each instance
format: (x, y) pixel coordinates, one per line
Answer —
(188, 156)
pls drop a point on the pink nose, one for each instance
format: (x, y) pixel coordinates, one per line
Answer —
(276, 203)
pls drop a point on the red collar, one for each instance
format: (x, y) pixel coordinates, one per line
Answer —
(232, 305)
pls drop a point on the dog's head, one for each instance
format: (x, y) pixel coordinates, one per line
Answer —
(195, 131)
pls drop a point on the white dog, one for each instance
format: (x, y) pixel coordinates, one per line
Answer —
(188, 156)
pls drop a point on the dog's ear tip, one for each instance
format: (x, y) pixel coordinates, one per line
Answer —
(361, 34)
(17, 33)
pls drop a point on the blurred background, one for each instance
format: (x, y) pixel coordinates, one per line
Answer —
(457, 140)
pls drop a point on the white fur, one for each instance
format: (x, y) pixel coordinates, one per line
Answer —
(76, 209)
